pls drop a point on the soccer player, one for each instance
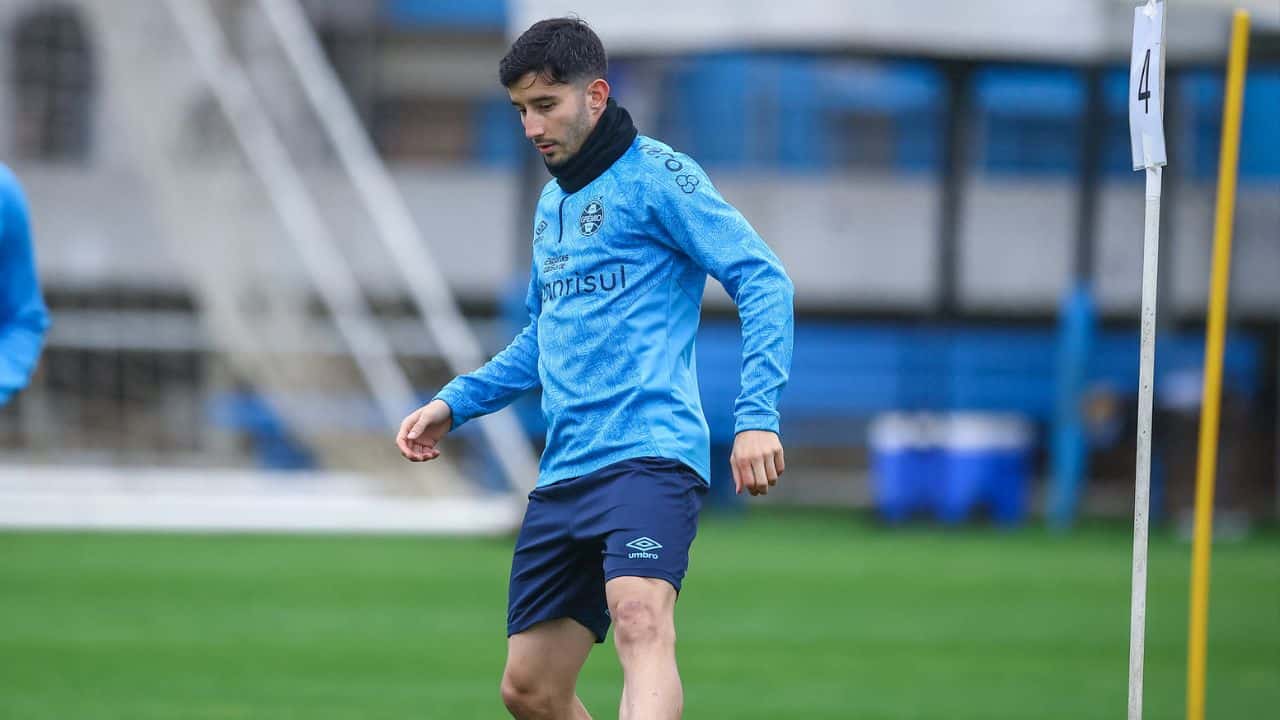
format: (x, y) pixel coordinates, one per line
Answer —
(624, 237)
(23, 317)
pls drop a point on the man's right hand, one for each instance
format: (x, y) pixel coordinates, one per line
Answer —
(422, 429)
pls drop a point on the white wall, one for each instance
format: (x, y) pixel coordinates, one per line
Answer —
(1079, 30)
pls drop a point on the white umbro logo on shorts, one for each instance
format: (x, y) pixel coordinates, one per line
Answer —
(644, 544)
(644, 547)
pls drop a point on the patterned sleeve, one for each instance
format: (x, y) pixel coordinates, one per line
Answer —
(510, 373)
(697, 221)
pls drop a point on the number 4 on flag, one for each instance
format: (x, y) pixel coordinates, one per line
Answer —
(1144, 84)
(1146, 87)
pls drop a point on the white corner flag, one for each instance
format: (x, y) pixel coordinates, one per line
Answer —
(1146, 130)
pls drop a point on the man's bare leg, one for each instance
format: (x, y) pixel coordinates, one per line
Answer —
(541, 678)
(644, 631)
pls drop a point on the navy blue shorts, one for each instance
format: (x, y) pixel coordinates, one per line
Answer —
(634, 518)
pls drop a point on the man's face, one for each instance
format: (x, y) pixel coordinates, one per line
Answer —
(558, 117)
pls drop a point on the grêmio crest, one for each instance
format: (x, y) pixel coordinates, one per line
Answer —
(592, 217)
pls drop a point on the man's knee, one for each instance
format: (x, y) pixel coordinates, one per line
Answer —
(527, 698)
(642, 623)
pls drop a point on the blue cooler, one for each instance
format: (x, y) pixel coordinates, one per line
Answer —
(986, 461)
(903, 464)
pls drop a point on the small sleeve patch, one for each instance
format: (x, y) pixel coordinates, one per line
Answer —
(686, 174)
(688, 182)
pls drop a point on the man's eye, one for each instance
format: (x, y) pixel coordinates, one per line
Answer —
(546, 106)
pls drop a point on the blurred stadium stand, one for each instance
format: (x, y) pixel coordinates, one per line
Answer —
(935, 196)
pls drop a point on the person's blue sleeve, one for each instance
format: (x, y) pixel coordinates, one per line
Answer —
(510, 373)
(23, 316)
(714, 235)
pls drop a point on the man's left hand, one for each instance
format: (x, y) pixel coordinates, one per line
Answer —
(756, 461)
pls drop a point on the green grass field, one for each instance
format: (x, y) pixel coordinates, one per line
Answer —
(783, 616)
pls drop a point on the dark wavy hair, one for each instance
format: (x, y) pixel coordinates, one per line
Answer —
(562, 50)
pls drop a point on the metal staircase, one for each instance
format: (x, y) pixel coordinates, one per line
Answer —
(243, 132)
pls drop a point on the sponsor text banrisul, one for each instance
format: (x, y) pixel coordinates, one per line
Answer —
(603, 281)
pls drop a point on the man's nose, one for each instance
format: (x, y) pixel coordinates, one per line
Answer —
(532, 127)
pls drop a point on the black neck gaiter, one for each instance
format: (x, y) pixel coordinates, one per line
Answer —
(608, 141)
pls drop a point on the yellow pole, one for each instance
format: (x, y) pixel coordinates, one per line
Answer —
(1213, 347)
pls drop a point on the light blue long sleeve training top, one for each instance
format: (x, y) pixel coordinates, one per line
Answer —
(614, 301)
(23, 317)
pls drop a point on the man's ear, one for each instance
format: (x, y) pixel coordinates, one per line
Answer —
(597, 95)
